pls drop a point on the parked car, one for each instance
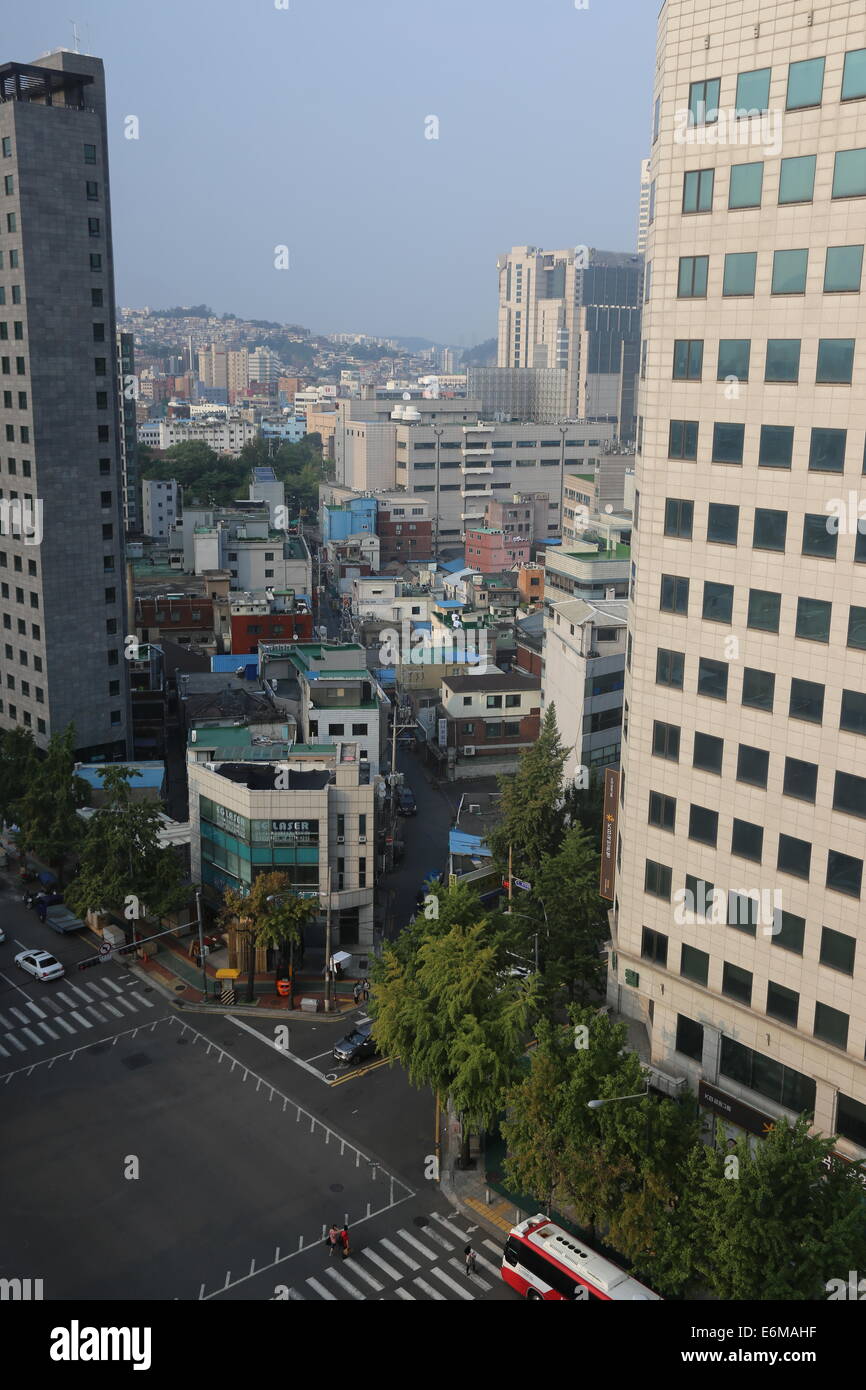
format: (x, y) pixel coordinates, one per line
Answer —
(406, 804)
(39, 964)
(356, 1045)
(62, 920)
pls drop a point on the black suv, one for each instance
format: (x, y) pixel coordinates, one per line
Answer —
(356, 1045)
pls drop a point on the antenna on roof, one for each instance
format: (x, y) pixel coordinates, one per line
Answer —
(75, 35)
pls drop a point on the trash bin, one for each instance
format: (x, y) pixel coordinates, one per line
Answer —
(284, 988)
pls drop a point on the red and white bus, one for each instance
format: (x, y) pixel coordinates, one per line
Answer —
(541, 1260)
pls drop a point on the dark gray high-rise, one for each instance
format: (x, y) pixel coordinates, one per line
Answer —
(62, 589)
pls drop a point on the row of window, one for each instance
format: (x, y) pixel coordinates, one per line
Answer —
(6, 366)
(14, 294)
(843, 873)
(806, 698)
(813, 617)
(834, 360)
(800, 781)
(827, 447)
(27, 719)
(6, 150)
(805, 89)
(843, 270)
(491, 728)
(17, 563)
(797, 174)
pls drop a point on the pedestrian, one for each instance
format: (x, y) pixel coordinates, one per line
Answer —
(344, 1242)
(333, 1239)
(470, 1257)
(356, 990)
(365, 990)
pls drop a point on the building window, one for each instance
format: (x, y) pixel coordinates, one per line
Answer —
(669, 668)
(654, 947)
(747, 840)
(740, 270)
(805, 84)
(90, 154)
(698, 190)
(849, 174)
(827, 450)
(782, 1003)
(713, 679)
(844, 873)
(764, 609)
(843, 269)
(807, 701)
(662, 811)
(835, 361)
(703, 825)
(692, 282)
(718, 602)
(752, 765)
(666, 741)
(817, 540)
(769, 530)
(683, 439)
(688, 359)
(722, 523)
(753, 92)
(813, 619)
(674, 597)
(838, 950)
(797, 179)
(728, 443)
(708, 752)
(657, 879)
(849, 794)
(737, 983)
(776, 448)
(679, 517)
(690, 1036)
(734, 356)
(853, 713)
(746, 185)
(789, 272)
(831, 1025)
(694, 965)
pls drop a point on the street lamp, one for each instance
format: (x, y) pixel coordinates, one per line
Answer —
(597, 1104)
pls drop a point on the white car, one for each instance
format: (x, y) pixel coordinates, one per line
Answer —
(40, 964)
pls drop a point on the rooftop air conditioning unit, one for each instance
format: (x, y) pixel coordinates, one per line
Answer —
(469, 751)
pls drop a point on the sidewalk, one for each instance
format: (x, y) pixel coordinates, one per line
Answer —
(467, 1189)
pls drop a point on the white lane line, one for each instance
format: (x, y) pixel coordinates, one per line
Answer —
(416, 1244)
(344, 1284)
(122, 999)
(14, 983)
(65, 997)
(398, 1254)
(109, 1008)
(40, 1013)
(389, 1270)
(63, 1024)
(455, 1230)
(22, 1018)
(92, 1009)
(368, 1278)
(148, 1003)
(34, 1037)
(429, 1290)
(281, 1051)
(405, 1294)
(452, 1284)
(79, 1018)
(322, 1291)
(50, 1031)
(319, 1055)
(437, 1239)
(10, 1037)
(473, 1278)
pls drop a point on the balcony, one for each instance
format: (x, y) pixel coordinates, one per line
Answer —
(476, 492)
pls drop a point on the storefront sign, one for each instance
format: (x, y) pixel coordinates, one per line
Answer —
(608, 833)
(733, 1111)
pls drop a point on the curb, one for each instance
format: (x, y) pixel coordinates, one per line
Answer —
(245, 1010)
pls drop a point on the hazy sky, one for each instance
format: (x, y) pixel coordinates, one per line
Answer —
(305, 127)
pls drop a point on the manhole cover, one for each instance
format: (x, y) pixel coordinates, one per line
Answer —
(179, 989)
(336, 1187)
(421, 1221)
(138, 1059)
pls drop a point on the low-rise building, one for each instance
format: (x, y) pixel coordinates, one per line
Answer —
(592, 572)
(272, 616)
(490, 719)
(584, 675)
(330, 692)
(160, 507)
(492, 551)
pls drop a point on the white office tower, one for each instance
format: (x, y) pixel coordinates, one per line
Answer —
(738, 912)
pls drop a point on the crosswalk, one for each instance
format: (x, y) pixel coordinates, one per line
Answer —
(425, 1264)
(69, 1010)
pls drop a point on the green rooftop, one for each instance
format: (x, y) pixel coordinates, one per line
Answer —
(618, 552)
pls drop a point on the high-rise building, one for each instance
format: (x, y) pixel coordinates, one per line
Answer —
(738, 936)
(62, 596)
(577, 310)
(644, 207)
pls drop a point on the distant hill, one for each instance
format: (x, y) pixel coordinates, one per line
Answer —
(482, 355)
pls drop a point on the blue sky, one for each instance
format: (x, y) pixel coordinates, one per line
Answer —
(305, 127)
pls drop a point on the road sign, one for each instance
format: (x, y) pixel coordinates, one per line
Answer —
(105, 950)
(521, 883)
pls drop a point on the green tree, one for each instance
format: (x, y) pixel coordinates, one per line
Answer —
(778, 1222)
(532, 817)
(271, 914)
(455, 1018)
(566, 882)
(122, 865)
(18, 761)
(49, 826)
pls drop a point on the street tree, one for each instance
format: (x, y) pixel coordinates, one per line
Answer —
(18, 759)
(455, 1017)
(532, 817)
(49, 826)
(575, 925)
(271, 915)
(122, 866)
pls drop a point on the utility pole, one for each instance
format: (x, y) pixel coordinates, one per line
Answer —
(201, 956)
(510, 880)
(328, 971)
(437, 430)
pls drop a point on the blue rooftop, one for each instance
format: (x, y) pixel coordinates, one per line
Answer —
(452, 566)
(152, 774)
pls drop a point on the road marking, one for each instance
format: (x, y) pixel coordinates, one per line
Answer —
(112, 984)
(437, 1239)
(14, 983)
(34, 1037)
(63, 1024)
(85, 997)
(280, 1051)
(391, 1272)
(114, 1039)
(12, 1038)
(122, 999)
(344, 1284)
(320, 1055)
(362, 1071)
(3, 1051)
(443, 1221)
(396, 1251)
(92, 1009)
(40, 1013)
(22, 1018)
(97, 989)
(476, 1278)
(495, 1270)
(4, 1022)
(79, 1018)
(410, 1240)
(368, 1278)
(429, 1290)
(50, 1031)
(109, 1008)
(148, 1003)
(405, 1294)
(452, 1284)
(65, 998)
(322, 1291)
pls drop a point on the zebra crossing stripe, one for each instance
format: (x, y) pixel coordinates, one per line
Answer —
(416, 1244)
(446, 1279)
(368, 1278)
(63, 1024)
(115, 1013)
(4, 1021)
(40, 1013)
(437, 1239)
(34, 1037)
(322, 1291)
(429, 1290)
(497, 1249)
(92, 1009)
(50, 1031)
(79, 1018)
(405, 1294)
(475, 1278)
(22, 1018)
(389, 1270)
(495, 1270)
(80, 993)
(65, 998)
(10, 1037)
(116, 987)
(97, 989)
(344, 1283)
(148, 1003)
(122, 999)
(455, 1231)
(395, 1250)
(3, 1051)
